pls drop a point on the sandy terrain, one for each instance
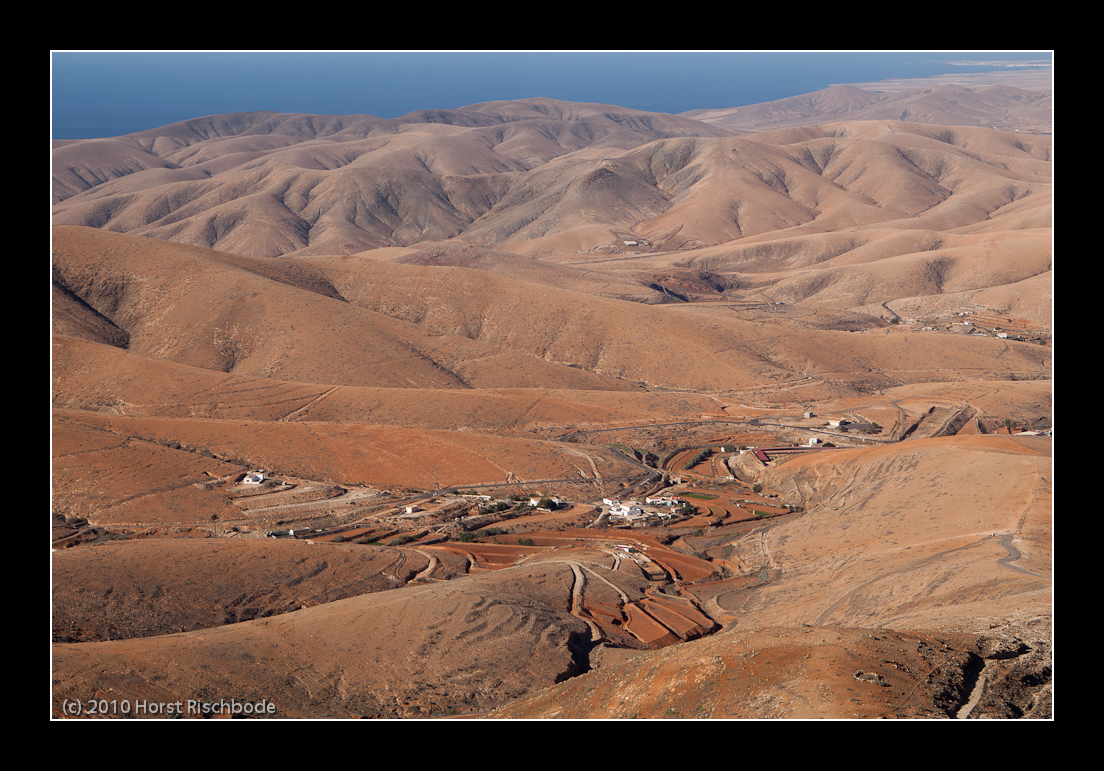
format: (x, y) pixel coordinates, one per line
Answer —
(403, 323)
(972, 560)
(1010, 101)
(790, 673)
(178, 585)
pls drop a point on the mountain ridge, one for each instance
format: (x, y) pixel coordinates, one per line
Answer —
(396, 371)
(995, 106)
(340, 197)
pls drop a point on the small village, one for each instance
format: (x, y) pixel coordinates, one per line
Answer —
(694, 491)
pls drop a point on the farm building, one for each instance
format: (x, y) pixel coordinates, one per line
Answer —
(536, 502)
(663, 500)
(627, 512)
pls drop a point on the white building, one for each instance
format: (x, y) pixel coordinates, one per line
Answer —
(663, 500)
(626, 512)
(253, 478)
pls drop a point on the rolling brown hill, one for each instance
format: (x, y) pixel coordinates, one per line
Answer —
(1003, 107)
(805, 673)
(145, 471)
(373, 183)
(445, 327)
(110, 380)
(917, 568)
(178, 585)
(260, 318)
(546, 298)
(270, 184)
(462, 645)
(883, 619)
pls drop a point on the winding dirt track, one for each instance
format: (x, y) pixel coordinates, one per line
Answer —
(1013, 555)
(577, 608)
(426, 574)
(306, 407)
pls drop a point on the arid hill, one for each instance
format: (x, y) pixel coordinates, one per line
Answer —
(946, 534)
(266, 184)
(445, 327)
(146, 471)
(804, 673)
(430, 649)
(997, 106)
(270, 184)
(177, 585)
(344, 410)
(883, 620)
(260, 318)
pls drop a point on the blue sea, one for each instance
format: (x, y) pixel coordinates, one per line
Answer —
(99, 94)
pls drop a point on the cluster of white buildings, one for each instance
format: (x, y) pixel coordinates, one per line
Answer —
(631, 510)
(664, 500)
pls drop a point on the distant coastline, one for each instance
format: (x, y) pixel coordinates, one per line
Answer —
(98, 94)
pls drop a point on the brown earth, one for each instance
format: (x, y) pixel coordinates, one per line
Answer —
(818, 568)
(791, 673)
(465, 645)
(862, 569)
(459, 290)
(179, 585)
(118, 470)
(1008, 101)
(418, 338)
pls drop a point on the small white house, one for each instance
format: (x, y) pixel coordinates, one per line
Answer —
(627, 512)
(663, 500)
(536, 502)
(253, 478)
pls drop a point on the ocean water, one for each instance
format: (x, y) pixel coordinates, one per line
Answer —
(99, 94)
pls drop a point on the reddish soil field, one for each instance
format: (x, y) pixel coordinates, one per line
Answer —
(486, 556)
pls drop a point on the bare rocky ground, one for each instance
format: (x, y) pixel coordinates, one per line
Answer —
(808, 615)
(542, 316)
(813, 672)
(180, 585)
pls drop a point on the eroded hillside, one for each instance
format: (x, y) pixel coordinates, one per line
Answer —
(545, 410)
